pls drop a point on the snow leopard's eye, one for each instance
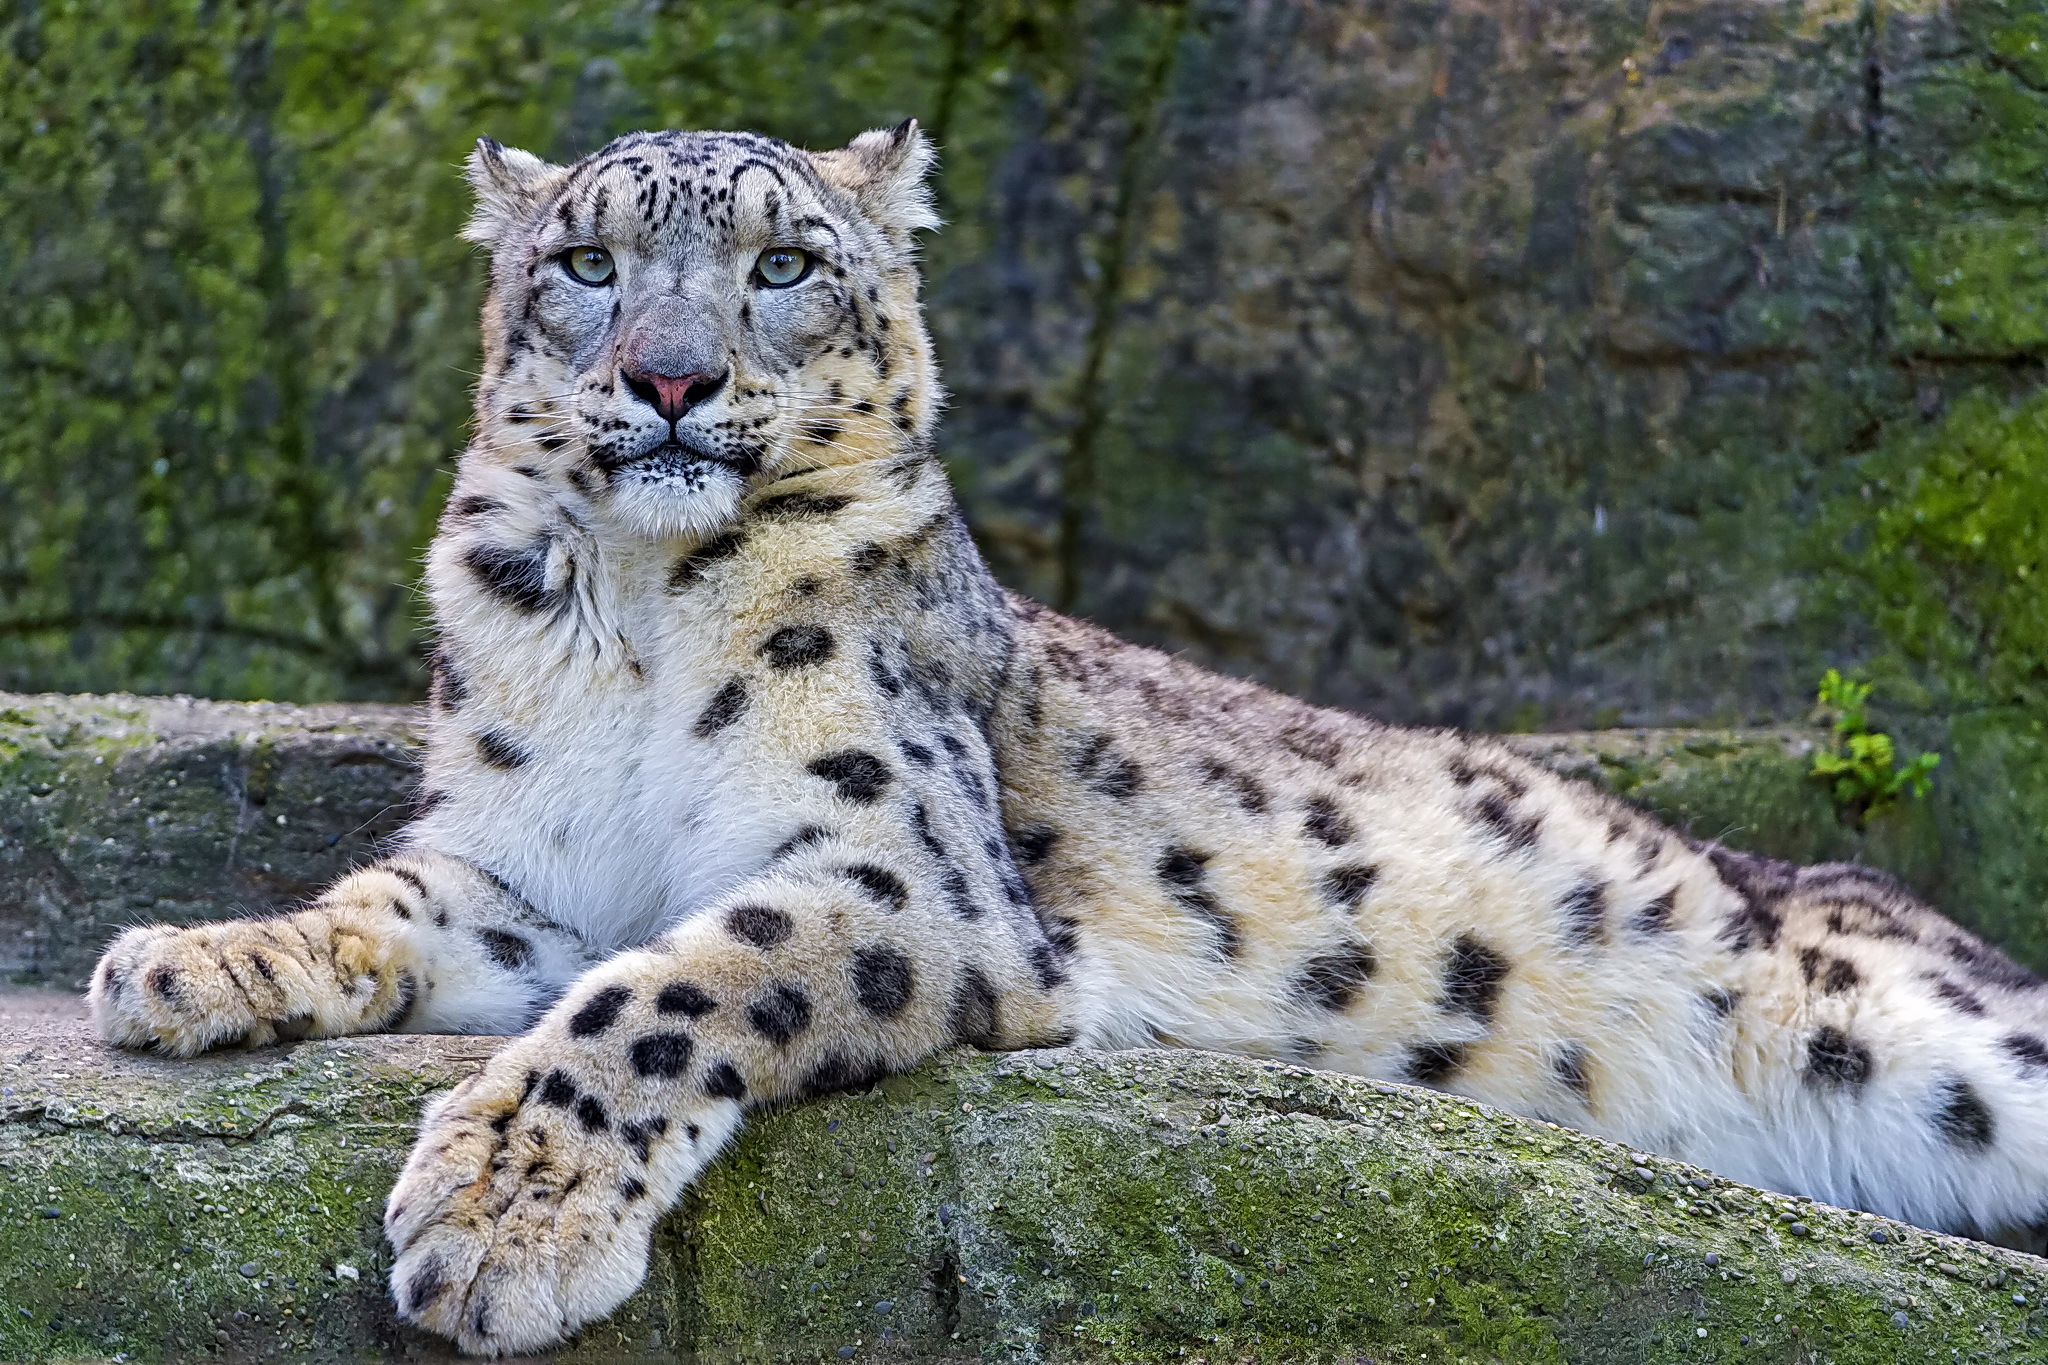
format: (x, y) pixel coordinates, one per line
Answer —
(782, 266)
(588, 264)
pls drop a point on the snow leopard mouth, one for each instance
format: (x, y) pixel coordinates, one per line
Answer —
(676, 460)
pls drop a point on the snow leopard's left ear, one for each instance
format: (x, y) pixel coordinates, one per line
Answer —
(510, 185)
(884, 170)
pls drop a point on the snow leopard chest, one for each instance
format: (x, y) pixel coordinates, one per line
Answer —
(608, 813)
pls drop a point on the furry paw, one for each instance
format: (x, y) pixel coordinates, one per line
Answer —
(253, 982)
(528, 1204)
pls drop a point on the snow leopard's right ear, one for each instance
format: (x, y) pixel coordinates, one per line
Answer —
(510, 185)
(884, 170)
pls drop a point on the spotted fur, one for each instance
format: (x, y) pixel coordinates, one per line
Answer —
(751, 784)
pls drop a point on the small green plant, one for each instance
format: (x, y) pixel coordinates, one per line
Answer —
(1862, 771)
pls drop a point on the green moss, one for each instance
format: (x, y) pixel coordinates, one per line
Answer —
(1522, 428)
(1974, 847)
(159, 1214)
(1145, 1207)
(1148, 1208)
(1941, 547)
(1986, 290)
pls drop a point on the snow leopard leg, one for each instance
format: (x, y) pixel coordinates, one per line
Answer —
(528, 1206)
(419, 943)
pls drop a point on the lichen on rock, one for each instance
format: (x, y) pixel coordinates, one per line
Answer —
(1054, 1205)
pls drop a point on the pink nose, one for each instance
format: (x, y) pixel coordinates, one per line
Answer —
(672, 395)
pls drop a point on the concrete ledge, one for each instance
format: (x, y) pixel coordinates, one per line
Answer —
(1038, 1206)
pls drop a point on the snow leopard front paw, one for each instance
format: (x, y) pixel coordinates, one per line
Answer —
(529, 1203)
(253, 982)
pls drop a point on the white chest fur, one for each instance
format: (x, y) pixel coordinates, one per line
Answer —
(570, 770)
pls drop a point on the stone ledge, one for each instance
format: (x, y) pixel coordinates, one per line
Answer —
(1060, 1205)
(119, 809)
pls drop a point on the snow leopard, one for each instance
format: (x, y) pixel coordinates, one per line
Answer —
(745, 781)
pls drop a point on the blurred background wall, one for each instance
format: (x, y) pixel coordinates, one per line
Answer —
(1484, 362)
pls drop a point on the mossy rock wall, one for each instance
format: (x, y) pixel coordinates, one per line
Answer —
(124, 810)
(1502, 365)
(1042, 1206)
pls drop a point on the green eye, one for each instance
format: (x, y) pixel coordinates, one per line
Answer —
(782, 266)
(589, 264)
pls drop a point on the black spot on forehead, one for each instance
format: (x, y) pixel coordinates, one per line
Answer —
(1760, 885)
(1497, 817)
(1326, 823)
(1250, 795)
(1182, 866)
(1833, 975)
(1655, 918)
(1098, 763)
